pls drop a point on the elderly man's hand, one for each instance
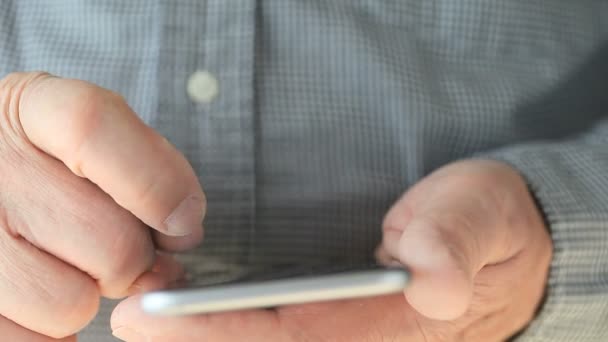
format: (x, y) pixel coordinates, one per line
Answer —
(478, 250)
(81, 180)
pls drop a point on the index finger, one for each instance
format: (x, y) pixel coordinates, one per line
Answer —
(94, 133)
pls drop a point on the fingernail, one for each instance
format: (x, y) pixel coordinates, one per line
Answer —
(127, 334)
(187, 217)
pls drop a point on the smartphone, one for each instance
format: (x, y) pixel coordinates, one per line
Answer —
(296, 285)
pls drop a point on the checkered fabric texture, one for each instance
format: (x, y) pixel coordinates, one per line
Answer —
(330, 109)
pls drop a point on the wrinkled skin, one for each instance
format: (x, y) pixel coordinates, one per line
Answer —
(82, 180)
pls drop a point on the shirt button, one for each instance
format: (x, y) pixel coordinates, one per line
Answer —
(202, 87)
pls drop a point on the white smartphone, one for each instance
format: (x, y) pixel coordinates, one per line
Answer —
(271, 290)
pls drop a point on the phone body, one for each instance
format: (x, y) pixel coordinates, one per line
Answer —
(272, 291)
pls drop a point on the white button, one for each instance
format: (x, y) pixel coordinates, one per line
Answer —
(202, 87)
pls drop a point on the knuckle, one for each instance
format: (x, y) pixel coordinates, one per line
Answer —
(18, 80)
(147, 190)
(87, 111)
(12, 89)
(149, 185)
(13, 86)
(453, 239)
(75, 309)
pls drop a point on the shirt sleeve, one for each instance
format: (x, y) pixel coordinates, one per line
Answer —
(569, 179)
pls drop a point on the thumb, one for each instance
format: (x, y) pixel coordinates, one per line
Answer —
(95, 133)
(442, 274)
(445, 230)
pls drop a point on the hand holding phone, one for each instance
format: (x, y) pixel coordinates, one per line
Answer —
(296, 286)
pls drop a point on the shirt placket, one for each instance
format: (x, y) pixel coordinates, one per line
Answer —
(206, 109)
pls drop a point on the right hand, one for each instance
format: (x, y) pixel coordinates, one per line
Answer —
(82, 179)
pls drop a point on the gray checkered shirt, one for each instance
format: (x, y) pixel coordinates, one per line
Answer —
(328, 110)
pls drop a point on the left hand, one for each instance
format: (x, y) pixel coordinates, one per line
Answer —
(477, 248)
